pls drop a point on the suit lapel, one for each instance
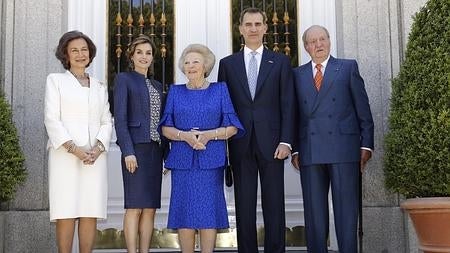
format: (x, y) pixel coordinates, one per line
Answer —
(309, 86)
(240, 70)
(140, 84)
(93, 91)
(72, 79)
(267, 62)
(331, 72)
(145, 96)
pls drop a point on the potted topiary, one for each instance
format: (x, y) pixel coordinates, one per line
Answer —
(417, 159)
(12, 172)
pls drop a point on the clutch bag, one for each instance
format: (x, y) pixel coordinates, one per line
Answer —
(228, 170)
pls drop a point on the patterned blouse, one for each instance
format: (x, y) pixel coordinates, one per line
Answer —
(155, 109)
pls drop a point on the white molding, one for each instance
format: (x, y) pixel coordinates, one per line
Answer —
(205, 22)
(90, 18)
(316, 12)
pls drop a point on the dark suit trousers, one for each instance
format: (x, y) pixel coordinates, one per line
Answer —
(344, 181)
(272, 193)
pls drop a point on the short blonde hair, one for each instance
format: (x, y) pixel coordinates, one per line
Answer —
(204, 51)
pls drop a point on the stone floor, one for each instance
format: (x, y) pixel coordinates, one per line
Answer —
(220, 251)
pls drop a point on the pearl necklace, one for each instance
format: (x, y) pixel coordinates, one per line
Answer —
(83, 76)
(193, 87)
(83, 80)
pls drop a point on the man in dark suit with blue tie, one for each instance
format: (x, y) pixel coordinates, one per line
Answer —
(335, 141)
(261, 89)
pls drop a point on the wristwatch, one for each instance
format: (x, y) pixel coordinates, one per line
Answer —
(100, 146)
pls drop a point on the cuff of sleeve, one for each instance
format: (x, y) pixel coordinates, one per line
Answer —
(287, 144)
(371, 151)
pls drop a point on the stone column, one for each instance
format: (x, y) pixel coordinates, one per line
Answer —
(90, 17)
(30, 33)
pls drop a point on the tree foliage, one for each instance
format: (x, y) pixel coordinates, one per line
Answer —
(417, 160)
(12, 172)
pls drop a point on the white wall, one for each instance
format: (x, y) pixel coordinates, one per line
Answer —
(90, 18)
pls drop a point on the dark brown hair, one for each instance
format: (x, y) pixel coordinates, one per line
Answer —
(252, 10)
(141, 39)
(61, 51)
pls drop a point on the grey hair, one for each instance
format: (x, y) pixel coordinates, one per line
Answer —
(311, 27)
(204, 51)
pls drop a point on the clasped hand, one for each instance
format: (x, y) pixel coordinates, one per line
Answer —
(196, 139)
(87, 157)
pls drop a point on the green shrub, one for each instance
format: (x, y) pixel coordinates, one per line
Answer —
(12, 172)
(417, 159)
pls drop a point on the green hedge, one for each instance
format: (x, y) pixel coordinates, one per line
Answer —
(417, 159)
(12, 172)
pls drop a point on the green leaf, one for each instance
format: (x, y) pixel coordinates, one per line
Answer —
(417, 159)
(12, 171)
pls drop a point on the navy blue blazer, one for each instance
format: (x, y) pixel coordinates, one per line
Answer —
(335, 122)
(271, 112)
(132, 110)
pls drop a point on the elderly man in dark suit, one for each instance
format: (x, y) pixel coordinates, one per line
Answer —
(335, 141)
(261, 89)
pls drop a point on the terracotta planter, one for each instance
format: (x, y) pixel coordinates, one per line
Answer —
(431, 219)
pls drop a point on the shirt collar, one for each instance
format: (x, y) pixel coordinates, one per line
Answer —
(324, 63)
(259, 50)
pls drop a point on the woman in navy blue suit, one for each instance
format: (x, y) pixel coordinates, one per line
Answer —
(138, 101)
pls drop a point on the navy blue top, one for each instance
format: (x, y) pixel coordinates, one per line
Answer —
(132, 110)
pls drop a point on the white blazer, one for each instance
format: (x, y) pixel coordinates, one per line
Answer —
(71, 115)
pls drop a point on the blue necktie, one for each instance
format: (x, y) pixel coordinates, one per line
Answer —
(252, 74)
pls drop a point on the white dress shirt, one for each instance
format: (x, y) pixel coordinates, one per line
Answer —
(248, 56)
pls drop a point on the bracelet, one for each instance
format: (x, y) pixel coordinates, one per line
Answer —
(178, 135)
(215, 138)
(71, 147)
(100, 146)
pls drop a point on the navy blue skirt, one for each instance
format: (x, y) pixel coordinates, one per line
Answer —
(142, 189)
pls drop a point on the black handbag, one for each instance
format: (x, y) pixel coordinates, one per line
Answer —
(228, 170)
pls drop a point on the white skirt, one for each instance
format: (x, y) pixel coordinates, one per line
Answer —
(76, 190)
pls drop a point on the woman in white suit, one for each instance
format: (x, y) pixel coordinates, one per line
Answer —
(79, 125)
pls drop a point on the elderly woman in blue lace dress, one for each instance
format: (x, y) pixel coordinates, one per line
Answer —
(198, 119)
